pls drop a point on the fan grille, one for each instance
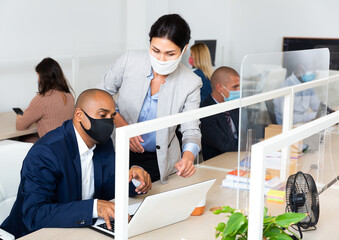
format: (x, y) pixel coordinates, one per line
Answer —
(302, 197)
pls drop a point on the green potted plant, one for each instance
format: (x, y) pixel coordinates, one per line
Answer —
(274, 228)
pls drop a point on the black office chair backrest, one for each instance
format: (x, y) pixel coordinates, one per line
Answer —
(270, 109)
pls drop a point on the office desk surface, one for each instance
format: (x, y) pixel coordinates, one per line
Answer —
(202, 227)
(8, 129)
(193, 228)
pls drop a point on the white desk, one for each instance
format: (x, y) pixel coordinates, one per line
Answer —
(8, 129)
(202, 227)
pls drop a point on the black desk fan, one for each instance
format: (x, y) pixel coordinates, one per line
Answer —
(302, 197)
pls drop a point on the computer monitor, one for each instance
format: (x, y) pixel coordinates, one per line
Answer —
(294, 43)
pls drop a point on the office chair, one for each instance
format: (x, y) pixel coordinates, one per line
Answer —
(270, 109)
(12, 154)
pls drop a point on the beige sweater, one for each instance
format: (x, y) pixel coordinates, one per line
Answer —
(48, 111)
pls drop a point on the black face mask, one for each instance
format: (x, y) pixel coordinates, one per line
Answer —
(101, 129)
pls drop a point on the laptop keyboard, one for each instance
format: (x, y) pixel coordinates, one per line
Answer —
(104, 226)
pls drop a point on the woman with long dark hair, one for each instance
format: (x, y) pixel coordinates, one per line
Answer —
(154, 84)
(53, 103)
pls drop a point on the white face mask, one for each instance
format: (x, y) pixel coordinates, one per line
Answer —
(165, 67)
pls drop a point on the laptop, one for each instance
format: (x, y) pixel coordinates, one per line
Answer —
(161, 209)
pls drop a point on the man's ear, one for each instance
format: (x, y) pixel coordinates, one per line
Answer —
(78, 114)
(218, 87)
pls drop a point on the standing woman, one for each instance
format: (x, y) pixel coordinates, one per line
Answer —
(201, 60)
(53, 103)
(155, 84)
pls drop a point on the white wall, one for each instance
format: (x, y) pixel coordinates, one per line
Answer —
(207, 20)
(47, 27)
(259, 26)
(33, 29)
(247, 26)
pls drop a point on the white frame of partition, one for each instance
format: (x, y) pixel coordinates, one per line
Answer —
(124, 133)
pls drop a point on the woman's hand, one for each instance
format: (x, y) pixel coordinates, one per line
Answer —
(135, 145)
(185, 166)
(134, 142)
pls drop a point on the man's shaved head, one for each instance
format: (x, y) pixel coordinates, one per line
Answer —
(90, 95)
(223, 75)
(224, 80)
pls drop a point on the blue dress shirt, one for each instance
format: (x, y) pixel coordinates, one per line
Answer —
(149, 112)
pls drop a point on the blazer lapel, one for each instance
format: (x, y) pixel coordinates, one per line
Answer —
(143, 85)
(74, 152)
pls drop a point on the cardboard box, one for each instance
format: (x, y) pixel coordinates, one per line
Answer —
(273, 130)
(296, 150)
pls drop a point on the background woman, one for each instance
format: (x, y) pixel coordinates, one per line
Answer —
(155, 84)
(53, 103)
(201, 60)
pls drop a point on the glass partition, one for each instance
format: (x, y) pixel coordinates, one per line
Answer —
(260, 119)
(262, 73)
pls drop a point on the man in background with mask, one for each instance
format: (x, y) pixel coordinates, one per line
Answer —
(306, 102)
(68, 176)
(220, 131)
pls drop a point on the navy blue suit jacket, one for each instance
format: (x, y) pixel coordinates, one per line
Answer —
(217, 136)
(206, 88)
(49, 194)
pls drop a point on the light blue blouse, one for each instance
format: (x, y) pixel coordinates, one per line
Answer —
(149, 112)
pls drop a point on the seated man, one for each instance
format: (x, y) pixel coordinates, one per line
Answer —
(220, 131)
(306, 102)
(69, 174)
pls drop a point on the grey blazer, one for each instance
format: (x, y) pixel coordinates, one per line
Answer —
(179, 93)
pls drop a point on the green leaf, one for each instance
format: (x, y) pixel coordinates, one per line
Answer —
(234, 223)
(227, 209)
(217, 234)
(220, 227)
(272, 231)
(283, 236)
(289, 218)
(243, 228)
(269, 219)
(265, 212)
(229, 238)
(218, 211)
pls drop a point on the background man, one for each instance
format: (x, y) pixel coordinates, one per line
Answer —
(220, 131)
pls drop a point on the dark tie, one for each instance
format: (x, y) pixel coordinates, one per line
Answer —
(228, 117)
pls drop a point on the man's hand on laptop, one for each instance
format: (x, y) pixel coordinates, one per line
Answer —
(106, 210)
(141, 175)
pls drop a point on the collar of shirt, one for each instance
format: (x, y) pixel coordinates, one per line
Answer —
(83, 149)
(150, 76)
(292, 80)
(214, 99)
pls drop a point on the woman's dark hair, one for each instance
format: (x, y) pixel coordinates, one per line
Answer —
(174, 28)
(51, 76)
